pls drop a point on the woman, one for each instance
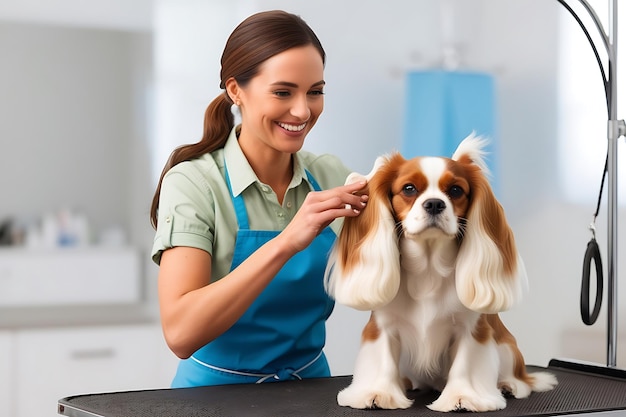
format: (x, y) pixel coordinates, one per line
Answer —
(242, 217)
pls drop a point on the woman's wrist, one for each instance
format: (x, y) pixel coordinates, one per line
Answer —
(286, 245)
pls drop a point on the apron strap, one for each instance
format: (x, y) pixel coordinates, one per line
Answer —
(316, 186)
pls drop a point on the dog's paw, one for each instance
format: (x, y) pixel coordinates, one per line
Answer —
(539, 382)
(468, 402)
(514, 388)
(362, 399)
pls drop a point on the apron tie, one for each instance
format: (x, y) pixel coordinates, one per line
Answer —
(281, 375)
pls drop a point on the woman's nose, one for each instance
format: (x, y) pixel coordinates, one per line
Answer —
(300, 108)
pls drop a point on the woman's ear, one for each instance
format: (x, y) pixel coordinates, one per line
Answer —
(233, 90)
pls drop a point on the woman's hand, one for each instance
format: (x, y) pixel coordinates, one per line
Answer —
(319, 209)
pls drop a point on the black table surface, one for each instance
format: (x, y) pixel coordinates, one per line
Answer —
(578, 392)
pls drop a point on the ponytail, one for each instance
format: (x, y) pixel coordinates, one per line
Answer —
(218, 122)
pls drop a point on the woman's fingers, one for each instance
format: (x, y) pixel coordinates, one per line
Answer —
(340, 197)
(328, 205)
(320, 208)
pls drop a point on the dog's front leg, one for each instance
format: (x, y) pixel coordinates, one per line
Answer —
(473, 378)
(376, 382)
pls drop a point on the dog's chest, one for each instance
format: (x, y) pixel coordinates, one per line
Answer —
(427, 331)
(427, 315)
(433, 318)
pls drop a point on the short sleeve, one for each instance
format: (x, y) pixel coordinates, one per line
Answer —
(186, 214)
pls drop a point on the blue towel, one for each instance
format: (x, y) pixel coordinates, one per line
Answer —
(443, 107)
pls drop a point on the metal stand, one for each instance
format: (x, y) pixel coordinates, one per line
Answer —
(616, 129)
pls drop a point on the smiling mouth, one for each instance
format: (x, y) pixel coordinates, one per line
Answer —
(292, 128)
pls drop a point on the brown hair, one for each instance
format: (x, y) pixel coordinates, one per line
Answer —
(256, 39)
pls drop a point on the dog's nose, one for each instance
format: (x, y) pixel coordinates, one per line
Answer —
(434, 206)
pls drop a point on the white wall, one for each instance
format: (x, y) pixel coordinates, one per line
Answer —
(67, 110)
(74, 128)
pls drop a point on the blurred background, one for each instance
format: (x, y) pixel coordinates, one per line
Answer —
(95, 95)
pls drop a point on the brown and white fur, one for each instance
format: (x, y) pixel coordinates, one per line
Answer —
(434, 259)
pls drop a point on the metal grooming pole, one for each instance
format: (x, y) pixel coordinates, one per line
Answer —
(615, 130)
(613, 135)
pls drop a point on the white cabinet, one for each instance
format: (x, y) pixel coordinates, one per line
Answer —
(69, 276)
(6, 371)
(60, 362)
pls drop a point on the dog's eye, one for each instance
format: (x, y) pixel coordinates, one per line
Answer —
(455, 191)
(409, 190)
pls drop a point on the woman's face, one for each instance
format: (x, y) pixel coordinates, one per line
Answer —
(281, 104)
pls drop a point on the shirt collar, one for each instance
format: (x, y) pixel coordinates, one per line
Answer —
(241, 173)
(239, 170)
(299, 174)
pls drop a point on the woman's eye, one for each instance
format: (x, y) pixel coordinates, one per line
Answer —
(317, 92)
(409, 190)
(455, 191)
(282, 93)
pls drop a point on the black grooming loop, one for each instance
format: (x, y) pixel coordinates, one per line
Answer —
(593, 254)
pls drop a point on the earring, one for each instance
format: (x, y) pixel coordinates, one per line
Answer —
(235, 110)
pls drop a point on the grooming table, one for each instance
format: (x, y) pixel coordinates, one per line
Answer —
(582, 389)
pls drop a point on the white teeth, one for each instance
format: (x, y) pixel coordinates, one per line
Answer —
(292, 128)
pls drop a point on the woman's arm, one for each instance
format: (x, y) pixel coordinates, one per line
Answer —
(194, 310)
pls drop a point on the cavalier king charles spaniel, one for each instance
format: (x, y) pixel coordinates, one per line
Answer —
(433, 258)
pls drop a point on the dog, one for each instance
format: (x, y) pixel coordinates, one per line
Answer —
(434, 259)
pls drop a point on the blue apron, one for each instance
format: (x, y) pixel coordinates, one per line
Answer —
(281, 335)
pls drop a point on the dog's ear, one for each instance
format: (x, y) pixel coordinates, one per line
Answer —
(490, 274)
(363, 271)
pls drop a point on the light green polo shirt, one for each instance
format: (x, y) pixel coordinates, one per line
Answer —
(196, 209)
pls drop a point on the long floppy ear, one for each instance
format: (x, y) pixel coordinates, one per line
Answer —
(363, 270)
(490, 274)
